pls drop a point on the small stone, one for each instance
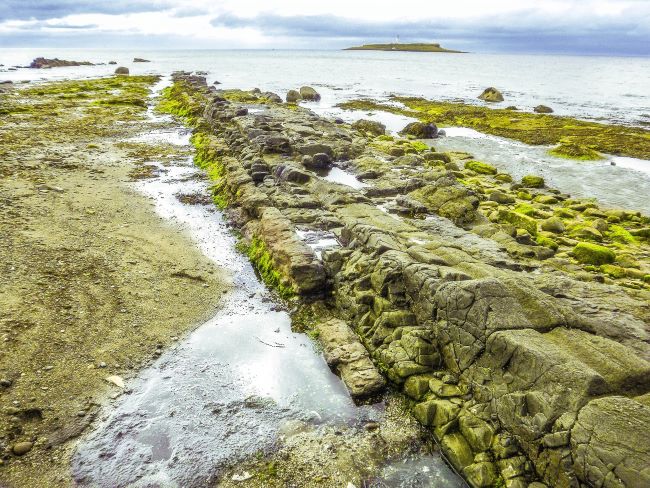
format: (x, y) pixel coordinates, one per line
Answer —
(242, 477)
(22, 448)
(102, 364)
(116, 380)
(5, 382)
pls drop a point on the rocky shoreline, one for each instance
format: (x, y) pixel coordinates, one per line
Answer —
(520, 335)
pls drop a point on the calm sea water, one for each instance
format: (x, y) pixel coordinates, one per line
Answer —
(604, 88)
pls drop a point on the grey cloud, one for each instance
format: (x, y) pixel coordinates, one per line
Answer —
(527, 31)
(49, 9)
(190, 12)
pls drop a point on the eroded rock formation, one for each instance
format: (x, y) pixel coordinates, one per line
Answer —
(525, 373)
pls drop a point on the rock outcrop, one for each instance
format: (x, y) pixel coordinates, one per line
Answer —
(527, 369)
(42, 63)
(491, 94)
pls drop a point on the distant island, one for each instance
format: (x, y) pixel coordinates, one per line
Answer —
(419, 47)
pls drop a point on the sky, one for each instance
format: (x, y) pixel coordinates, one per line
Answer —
(619, 27)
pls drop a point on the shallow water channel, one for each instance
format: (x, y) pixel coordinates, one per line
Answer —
(223, 393)
(615, 181)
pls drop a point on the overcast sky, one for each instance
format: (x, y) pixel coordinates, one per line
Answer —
(571, 26)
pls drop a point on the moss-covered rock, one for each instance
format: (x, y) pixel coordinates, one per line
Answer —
(588, 253)
(553, 224)
(309, 94)
(543, 109)
(491, 94)
(481, 168)
(370, 127)
(293, 96)
(570, 149)
(532, 181)
(519, 220)
(420, 130)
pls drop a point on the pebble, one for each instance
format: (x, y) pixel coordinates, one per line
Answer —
(102, 364)
(5, 382)
(22, 448)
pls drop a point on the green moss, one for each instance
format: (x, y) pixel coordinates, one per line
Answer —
(525, 209)
(481, 168)
(570, 149)
(530, 128)
(588, 253)
(620, 234)
(547, 242)
(261, 258)
(532, 181)
(177, 100)
(519, 220)
(613, 271)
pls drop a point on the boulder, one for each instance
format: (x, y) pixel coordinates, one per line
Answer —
(349, 358)
(141, 60)
(41, 63)
(532, 181)
(501, 197)
(553, 224)
(481, 168)
(112, 62)
(420, 130)
(293, 96)
(543, 109)
(370, 126)
(318, 161)
(122, 71)
(309, 94)
(588, 253)
(491, 94)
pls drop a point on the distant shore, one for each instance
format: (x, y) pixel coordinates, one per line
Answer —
(414, 47)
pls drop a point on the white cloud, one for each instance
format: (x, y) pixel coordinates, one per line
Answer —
(254, 23)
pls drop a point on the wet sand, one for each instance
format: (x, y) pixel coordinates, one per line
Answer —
(94, 283)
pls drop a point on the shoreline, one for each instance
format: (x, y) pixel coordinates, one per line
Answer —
(416, 300)
(90, 293)
(380, 260)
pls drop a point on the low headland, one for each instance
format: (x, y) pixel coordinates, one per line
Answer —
(418, 47)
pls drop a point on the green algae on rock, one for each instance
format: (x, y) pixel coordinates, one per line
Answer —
(570, 149)
(589, 253)
(531, 128)
(485, 350)
(491, 94)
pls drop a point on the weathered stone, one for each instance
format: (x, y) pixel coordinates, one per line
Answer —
(22, 448)
(370, 126)
(481, 475)
(416, 386)
(491, 94)
(455, 447)
(309, 94)
(477, 432)
(293, 96)
(344, 352)
(609, 442)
